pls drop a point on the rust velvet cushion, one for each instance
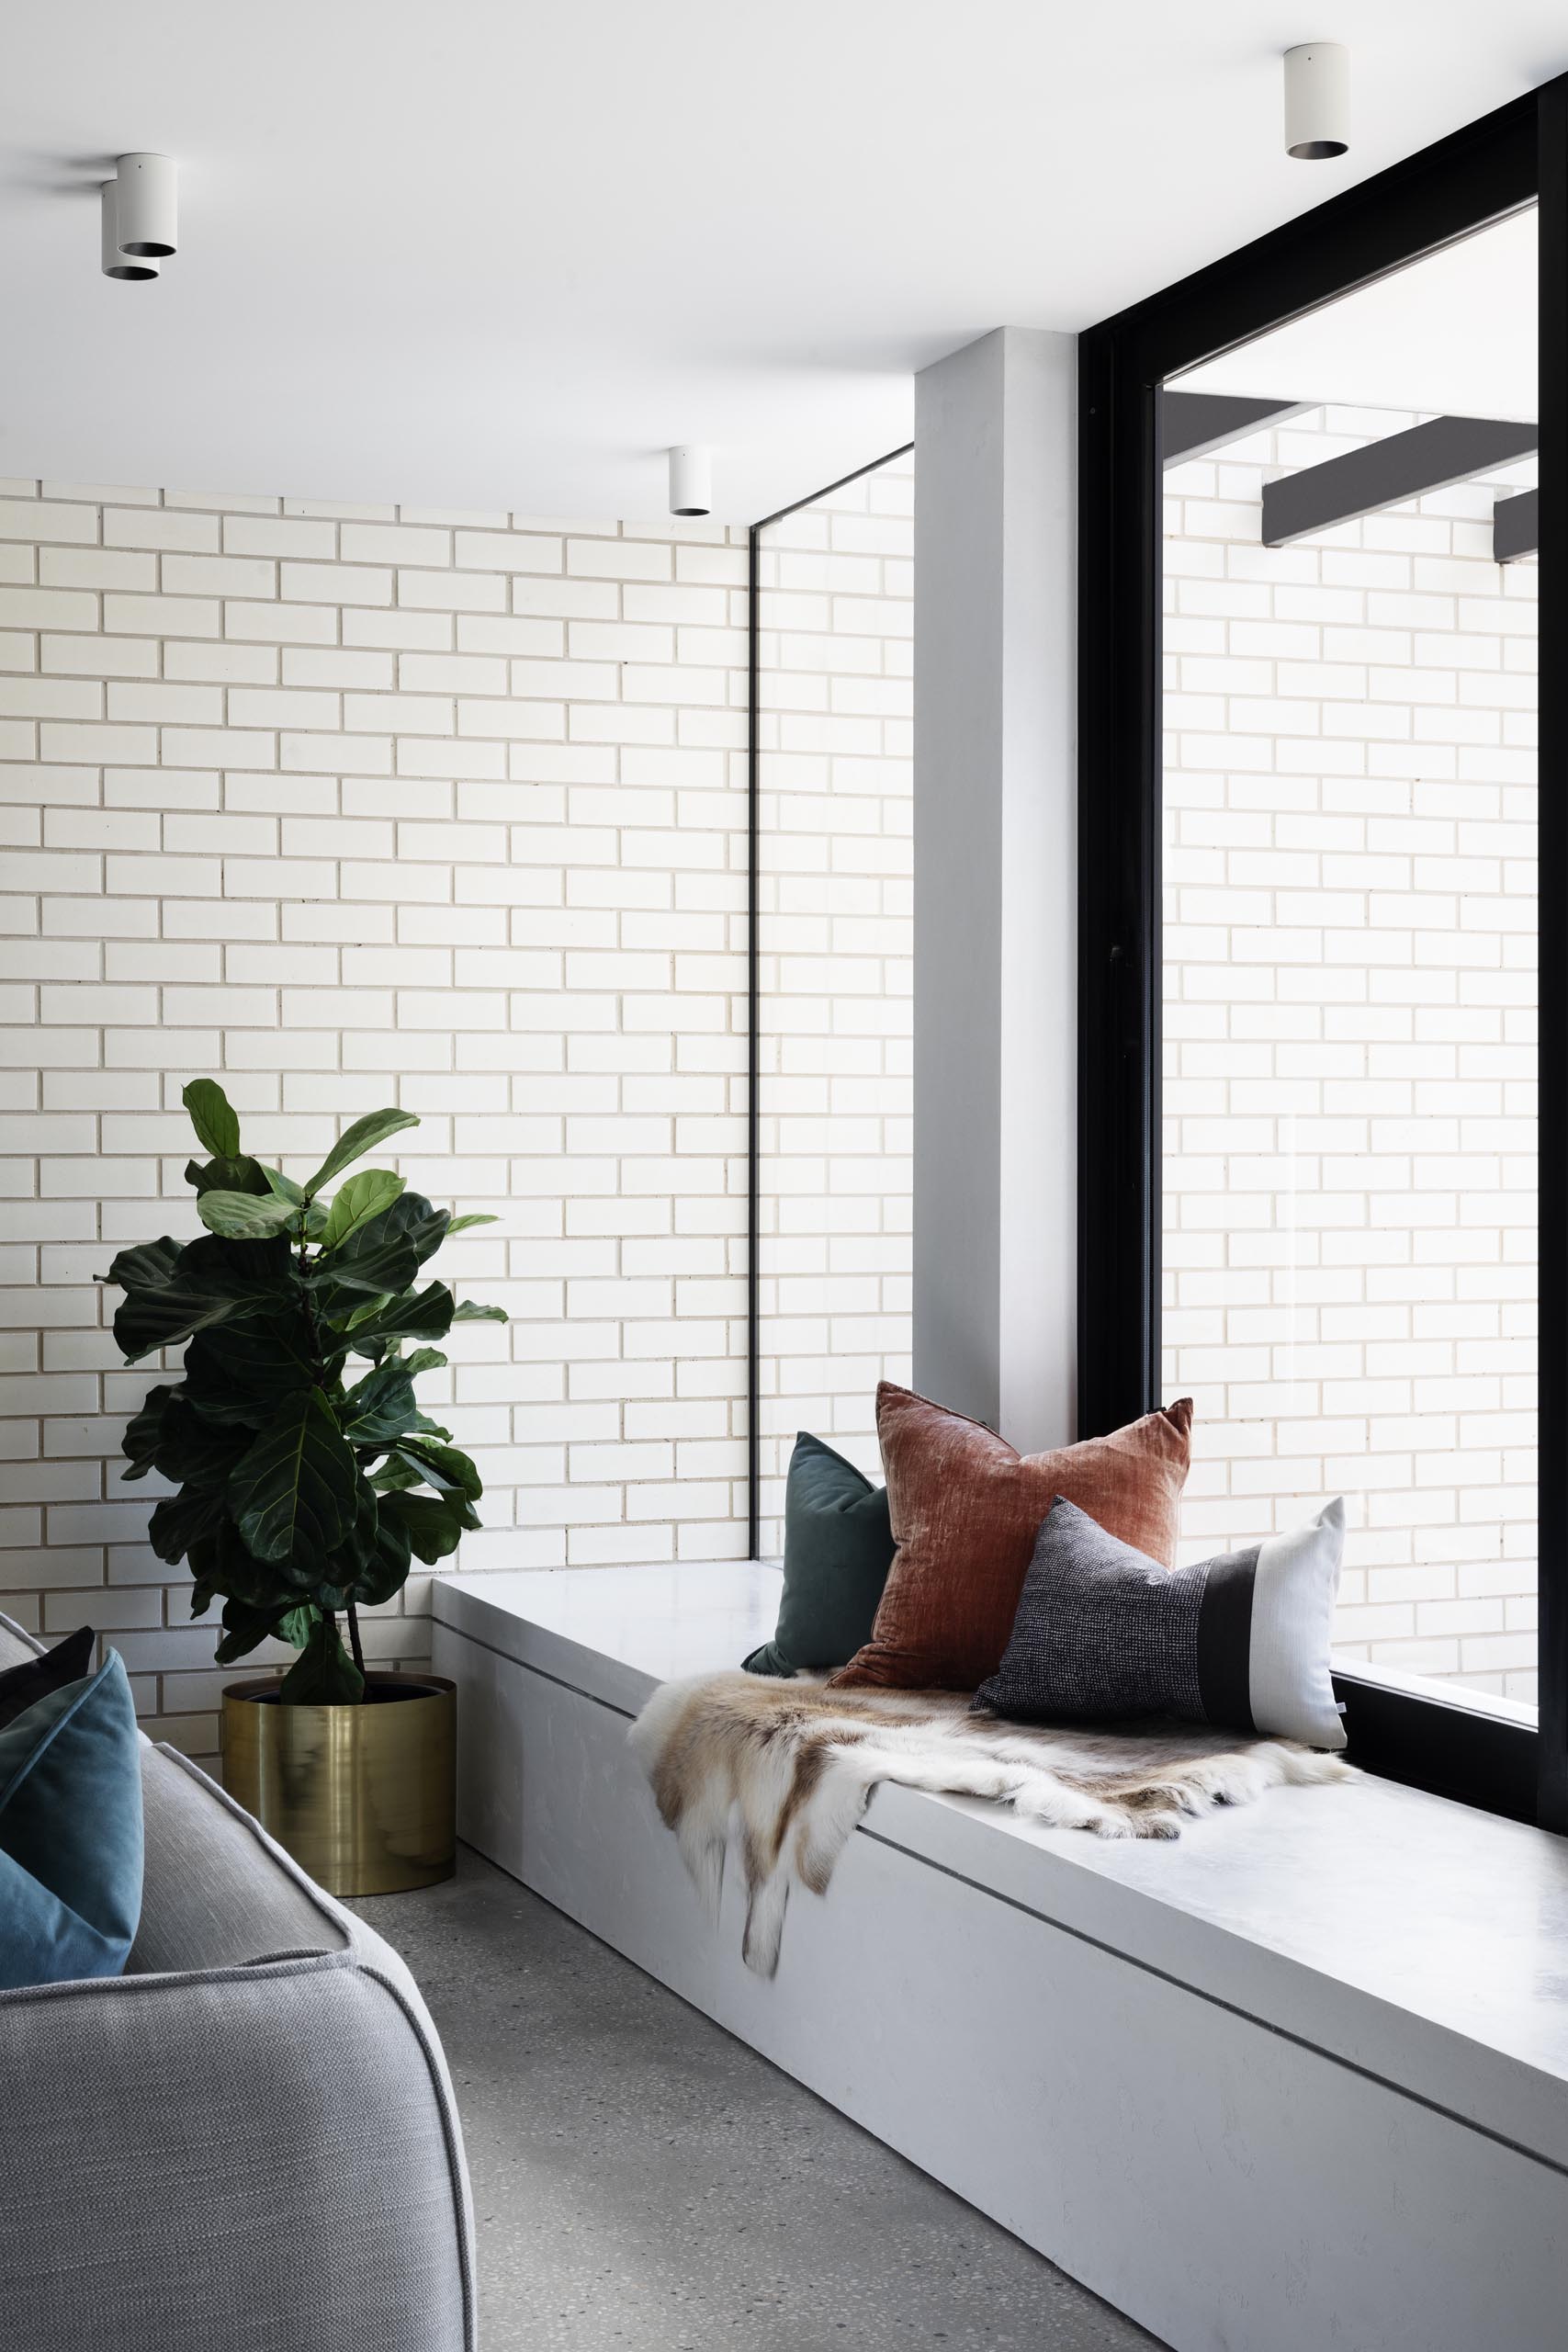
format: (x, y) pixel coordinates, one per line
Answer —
(966, 1508)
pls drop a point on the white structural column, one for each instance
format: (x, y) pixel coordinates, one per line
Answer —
(996, 883)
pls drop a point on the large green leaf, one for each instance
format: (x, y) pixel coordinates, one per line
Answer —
(467, 1311)
(212, 1116)
(143, 1431)
(422, 1315)
(182, 1519)
(244, 1269)
(219, 1563)
(383, 1254)
(151, 1265)
(395, 1473)
(385, 1571)
(324, 1675)
(357, 1200)
(294, 1492)
(213, 1282)
(363, 1136)
(381, 1405)
(295, 1625)
(473, 1217)
(224, 1175)
(147, 1319)
(435, 1522)
(424, 1360)
(443, 1465)
(236, 1371)
(360, 1541)
(245, 1626)
(244, 1216)
(194, 1453)
(284, 1186)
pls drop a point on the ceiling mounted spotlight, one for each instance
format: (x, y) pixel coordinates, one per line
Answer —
(1317, 100)
(117, 263)
(691, 481)
(148, 189)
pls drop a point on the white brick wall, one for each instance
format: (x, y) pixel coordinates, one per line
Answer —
(353, 807)
(835, 913)
(1349, 1071)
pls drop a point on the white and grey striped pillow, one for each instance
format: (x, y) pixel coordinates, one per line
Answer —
(1240, 1640)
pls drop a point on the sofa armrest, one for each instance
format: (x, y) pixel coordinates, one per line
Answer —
(265, 2158)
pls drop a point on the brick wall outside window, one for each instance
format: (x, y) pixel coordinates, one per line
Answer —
(1349, 1072)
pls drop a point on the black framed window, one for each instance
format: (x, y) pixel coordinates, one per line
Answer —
(1278, 1092)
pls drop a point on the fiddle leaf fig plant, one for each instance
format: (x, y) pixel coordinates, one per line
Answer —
(307, 1478)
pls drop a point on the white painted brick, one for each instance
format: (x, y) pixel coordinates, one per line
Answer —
(78, 567)
(394, 543)
(203, 576)
(508, 551)
(216, 886)
(47, 608)
(45, 519)
(451, 592)
(155, 615)
(223, 664)
(274, 535)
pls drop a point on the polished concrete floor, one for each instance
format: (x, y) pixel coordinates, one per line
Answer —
(644, 2181)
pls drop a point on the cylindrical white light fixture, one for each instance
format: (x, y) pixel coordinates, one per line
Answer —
(691, 481)
(114, 263)
(148, 192)
(1317, 100)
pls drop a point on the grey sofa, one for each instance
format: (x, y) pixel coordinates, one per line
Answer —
(248, 2141)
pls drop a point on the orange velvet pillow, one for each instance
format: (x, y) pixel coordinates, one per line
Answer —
(966, 1508)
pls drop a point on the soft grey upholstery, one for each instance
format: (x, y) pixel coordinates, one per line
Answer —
(248, 2143)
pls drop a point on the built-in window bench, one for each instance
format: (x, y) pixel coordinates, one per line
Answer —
(1297, 2081)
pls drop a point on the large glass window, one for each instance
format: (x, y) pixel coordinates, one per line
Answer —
(1348, 1162)
(835, 944)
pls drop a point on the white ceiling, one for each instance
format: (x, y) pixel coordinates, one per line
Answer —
(1454, 333)
(499, 253)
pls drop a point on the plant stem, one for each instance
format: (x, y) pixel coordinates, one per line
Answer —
(353, 1637)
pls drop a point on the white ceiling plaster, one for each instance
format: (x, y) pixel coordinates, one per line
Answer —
(499, 253)
(1454, 333)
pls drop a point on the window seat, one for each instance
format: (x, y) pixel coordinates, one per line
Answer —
(1300, 2079)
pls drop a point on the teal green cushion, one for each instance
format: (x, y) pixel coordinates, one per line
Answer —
(838, 1550)
(71, 1833)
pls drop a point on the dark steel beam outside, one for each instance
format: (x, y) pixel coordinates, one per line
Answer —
(1192, 423)
(1516, 526)
(1388, 473)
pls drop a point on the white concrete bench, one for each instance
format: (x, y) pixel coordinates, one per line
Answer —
(1297, 2082)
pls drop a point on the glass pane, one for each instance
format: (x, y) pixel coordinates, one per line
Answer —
(835, 777)
(1349, 1140)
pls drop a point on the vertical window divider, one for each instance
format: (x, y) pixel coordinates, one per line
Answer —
(1551, 1149)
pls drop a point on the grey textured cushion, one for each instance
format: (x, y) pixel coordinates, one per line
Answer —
(228, 2152)
(1240, 1640)
(217, 1892)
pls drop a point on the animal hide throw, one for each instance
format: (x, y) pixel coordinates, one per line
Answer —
(798, 1763)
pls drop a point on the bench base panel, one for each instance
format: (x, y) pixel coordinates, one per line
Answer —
(1228, 2186)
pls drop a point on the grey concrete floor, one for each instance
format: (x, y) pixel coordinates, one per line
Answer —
(644, 2181)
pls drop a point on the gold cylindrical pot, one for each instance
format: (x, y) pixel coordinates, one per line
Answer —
(364, 1797)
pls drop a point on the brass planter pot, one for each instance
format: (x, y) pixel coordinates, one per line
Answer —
(364, 1797)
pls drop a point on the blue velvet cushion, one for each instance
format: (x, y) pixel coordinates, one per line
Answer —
(71, 1833)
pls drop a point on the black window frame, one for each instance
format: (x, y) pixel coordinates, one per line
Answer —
(1514, 157)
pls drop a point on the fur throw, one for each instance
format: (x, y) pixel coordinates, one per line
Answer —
(799, 1763)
